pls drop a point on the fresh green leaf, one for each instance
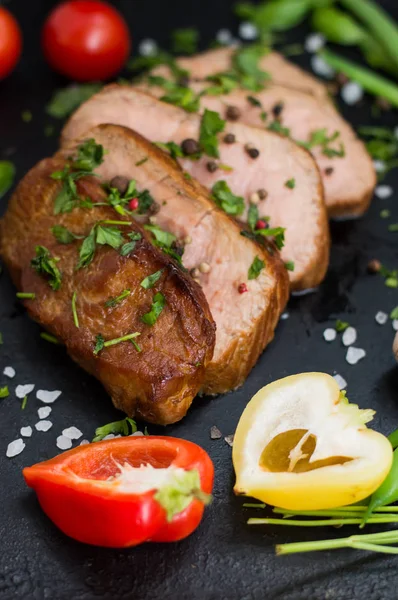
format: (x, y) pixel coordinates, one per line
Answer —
(163, 238)
(252, 216)
(320, 137)
(223, 83)
(276, 15)
(341, 326)
(337, 26)
(290, 183)
(225, 199)
(4, 393)
(65, 101)
(161, 58)
(99, 343)
(112, 302)
(278, 128)
(183, 97)
(7, 174)
(255, 268)
(289, 265)
(179, 492)
(150, 281)
(184, 41)
(278, 233)
(87, 250)
(245, 62)
(394, 313)
(109, 236)
(63, 235)
(157, 306)
(129, 246)
(45, 264)
(211, 124)
(254, 101)
(90, 155)
(126, 426)
(172, 148)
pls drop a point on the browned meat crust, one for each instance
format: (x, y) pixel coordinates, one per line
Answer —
(158, 383)
(245, 323)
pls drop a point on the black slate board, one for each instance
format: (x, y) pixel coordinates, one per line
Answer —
(224, 559)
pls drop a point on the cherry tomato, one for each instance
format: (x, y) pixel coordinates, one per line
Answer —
(86, 40)
(10, 42)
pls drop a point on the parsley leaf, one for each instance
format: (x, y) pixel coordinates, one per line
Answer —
(225, 199)
(278, 128)
(164, 238)
(66, 100)
(7, 174)
(341, 326)
(278, 233)
(184, 41)
(211, 124)
(63, 235)
(290, 183)
(129, 246)
(150, 281)
(161, 58)
(157, 306)
(4, 393)
(102, 235)
(254, 101)
(100, 343)
(320, 137)
(87, 250)
(255, 268)
(252, 216)
(246, 63)
(109, 236)
(183, 97)
(112, 302)
(126, 426)
(45, 264)
(172, 148)
(289, 265)
(90, 155)
(224, 83)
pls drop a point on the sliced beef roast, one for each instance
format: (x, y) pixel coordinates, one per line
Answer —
(154, 375)
(347, 170)
(285, 174)
(245, 283)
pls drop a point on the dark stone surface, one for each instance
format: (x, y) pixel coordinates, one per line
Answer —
(224, 559)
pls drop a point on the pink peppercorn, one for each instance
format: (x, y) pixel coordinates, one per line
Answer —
(261, 224)
(242, 288)
(133, 204)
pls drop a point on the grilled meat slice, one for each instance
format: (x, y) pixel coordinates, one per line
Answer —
(298, 207)
(348, 174)
(214, 251)
(156, 381)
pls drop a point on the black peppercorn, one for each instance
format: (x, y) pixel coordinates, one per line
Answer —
(120, 183)
(329, 170)
(190, 146)
(252, 151)
(232, 113)
(277, 109)
(229, 138)
(212, 166)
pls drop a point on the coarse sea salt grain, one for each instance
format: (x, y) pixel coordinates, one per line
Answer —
(48, 397)
(43, 425)
(44, 411)
(23, 390)
(341, 382)
(73, 433)
(63, 442)
(224, 36)
(284, 316)
(215, 433)
(230, 439)
(383, 191)
(379, 165)
(381, 317)
(320, 67)
(84, 443)
(329, 334)
(314, 42)
(351, 92)
(147, 47)
(395, 324)
(349, 336)
(137, 434)
(354, 355)
(9, 372)
(26, 431)
(15, 447)
(248, 31)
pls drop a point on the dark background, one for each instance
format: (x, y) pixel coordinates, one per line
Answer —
(224, 559)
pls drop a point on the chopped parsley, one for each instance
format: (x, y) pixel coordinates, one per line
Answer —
(164, 240)
(393, 227)
(150, 281)
(290, 183)
(320, 137)
(4, 393)
(185, 41)
(225, 199)
(382, 145)
(7, 174)
(252, 216)
(24, 403)
(341, 326)
(66, 100)
(74, 311)
(394, 313)
(126, 426)
(254, 101)
(100, 343)
(255, 268)
(246, 67)
(176, 94)
(112, 302)
(25, 295)
(49, 338)
(223, 83)
(172, 148)
(390, 277)
(148, 63)
(142, 161)
(211, 124)
(128, 247)
(102, 234)
(119, 201)
(278, 233)
(89, 157)
(63, 235)
(157, 306)
(46, 266)
(289, 265)
(277, 127)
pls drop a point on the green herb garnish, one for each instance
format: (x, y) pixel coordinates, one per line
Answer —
(320, 137)
(46, 265)
(161, 58)
(185, 41)
(157, 306)
(142, 161)
(24, 403)
(225, 199)
(289, 265)
(172, 148)
(126, 426)
(278, 233)
(278, 128)
(25, 295)
(255, 268)
(112, 302)
(100, 342)
(210, 125)
(290, 183)
(66, 100)
(252, 216)
(4, 393)
(394, 313)
(7, 174)
(254, 101)
(74, 311)
(150, 281)
(129, 246)
(102, 234)
(49, 338)
(63, 235)
(341, 326)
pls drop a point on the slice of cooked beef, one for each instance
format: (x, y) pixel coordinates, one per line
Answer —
(215, 252)
(348, 175)
(280, 70)
(155, 379)
(299, 206)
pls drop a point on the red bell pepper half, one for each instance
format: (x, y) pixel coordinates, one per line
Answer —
(125, 491)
